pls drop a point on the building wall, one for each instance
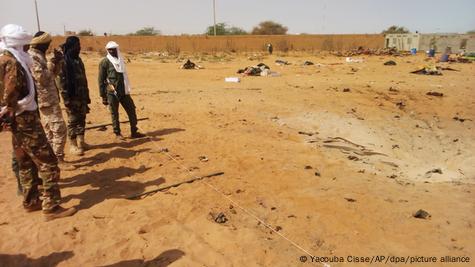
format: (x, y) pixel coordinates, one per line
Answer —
(403, 42)
(442, 41)
(246, 43)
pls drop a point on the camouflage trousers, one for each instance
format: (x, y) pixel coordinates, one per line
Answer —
(32, 149)
(55, 128)
(76, 123)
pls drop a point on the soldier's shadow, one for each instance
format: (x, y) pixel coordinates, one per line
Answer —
(107, 184)
(23, 260)
(103, 157)
(129, 143)
(164, 259)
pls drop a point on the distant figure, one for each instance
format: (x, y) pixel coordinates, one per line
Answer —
(114, 88)
(270, 48)
(105, 34)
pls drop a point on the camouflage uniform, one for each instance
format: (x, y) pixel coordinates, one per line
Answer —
(48, 102)
(29, 140)
(77, 104)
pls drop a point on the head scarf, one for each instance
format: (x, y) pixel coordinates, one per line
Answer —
(12, 39)
(69, 57)
(119, 64)
(44, 38)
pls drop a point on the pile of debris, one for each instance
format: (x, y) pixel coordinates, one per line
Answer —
(368, 51)
(432, 70)
(260, 69)
(191, 66)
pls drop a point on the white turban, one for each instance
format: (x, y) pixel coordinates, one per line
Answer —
(119, 64)
(12, 39)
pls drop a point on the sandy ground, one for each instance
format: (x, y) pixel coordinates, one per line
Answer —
(334, 172)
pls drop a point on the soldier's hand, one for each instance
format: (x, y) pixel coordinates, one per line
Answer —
(7, 117)
(105, 102)
(57, 54)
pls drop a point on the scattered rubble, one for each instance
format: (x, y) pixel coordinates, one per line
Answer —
(421, 214)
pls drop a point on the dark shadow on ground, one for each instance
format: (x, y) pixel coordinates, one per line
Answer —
(154, 135)
(107, 184)
(103, 157)
(22, 260)
(164, 259)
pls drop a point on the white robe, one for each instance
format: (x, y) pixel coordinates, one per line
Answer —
(119, 64)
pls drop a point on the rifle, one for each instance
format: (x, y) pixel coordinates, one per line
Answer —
(111, 88)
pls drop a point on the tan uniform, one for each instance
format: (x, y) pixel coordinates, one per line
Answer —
(29, 141)
(48, 102)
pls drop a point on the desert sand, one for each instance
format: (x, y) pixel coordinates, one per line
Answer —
(328, 160)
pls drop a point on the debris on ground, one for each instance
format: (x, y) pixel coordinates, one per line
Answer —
(447, 68)
(429, 173)
(392, 89)
(308, 63)
(219, 218)
(400, 104)
(428, 70)
(390, 63)
(437, 170)
(306, 133)
(350, 199)
(346, 90)
(281, 62)
(232, 79)
(191, 66)
(433, 93)
(377, 52)
(421, 214)
(354, 60)
(260, 69)
(203, 158)
(459, 119)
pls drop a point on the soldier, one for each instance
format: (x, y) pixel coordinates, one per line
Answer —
(20, 115)
(47, 94)
(114, 88)
(72, 84)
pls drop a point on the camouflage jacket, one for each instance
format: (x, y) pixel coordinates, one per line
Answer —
(81, 96)
(46, 91)
(13, 81)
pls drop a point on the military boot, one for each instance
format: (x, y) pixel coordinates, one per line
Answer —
(82, 144)
(74, 149)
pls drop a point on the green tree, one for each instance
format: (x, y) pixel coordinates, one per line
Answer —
(223, 29)
(85, 33)
(471, 32)
(395, 29)
(147, 31)
(269, 28)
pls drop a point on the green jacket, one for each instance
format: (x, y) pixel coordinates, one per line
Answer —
(108, 75)
(81, 96)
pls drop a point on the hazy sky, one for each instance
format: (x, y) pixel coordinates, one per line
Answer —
(193, 16)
